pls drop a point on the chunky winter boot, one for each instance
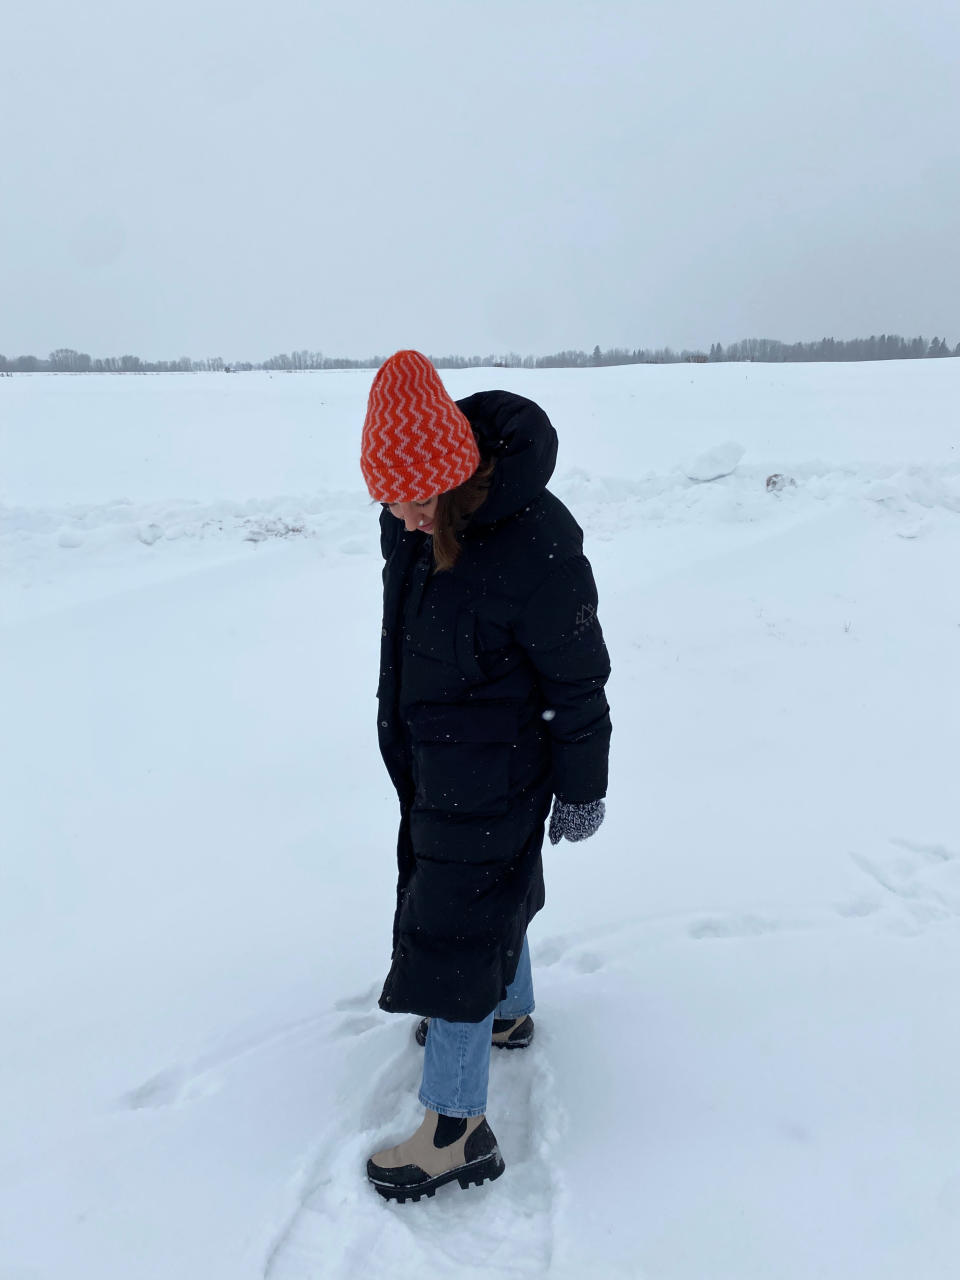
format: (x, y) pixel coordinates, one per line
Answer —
(508, 1033)
(441, 1150)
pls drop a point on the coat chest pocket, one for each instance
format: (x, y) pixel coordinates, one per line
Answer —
(461, 758)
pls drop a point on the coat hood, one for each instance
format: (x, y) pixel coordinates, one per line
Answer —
(519, 435)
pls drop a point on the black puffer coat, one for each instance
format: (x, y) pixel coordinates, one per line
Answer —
(490, 701)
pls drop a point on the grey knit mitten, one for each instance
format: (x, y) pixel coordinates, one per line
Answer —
(575, 821)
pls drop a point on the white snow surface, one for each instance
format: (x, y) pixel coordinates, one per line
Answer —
(747, 1035)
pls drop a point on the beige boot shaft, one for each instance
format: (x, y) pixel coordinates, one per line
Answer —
(419, 1149)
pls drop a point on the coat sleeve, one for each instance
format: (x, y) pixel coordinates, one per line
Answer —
(560, 633)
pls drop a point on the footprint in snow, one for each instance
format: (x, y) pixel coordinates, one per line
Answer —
(559, 950)
(170, 1088)
(341, 1228)
(359, 1025)
(203, 1076)
(745, 926)
(551, 951)
(366, 1000)
(858, 908)
(920, 883)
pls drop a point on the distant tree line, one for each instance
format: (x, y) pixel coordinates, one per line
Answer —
(762, 350)
(888, 346)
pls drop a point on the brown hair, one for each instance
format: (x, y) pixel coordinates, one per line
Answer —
(454, 509)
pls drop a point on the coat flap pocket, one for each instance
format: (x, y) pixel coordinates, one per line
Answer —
(468, 722)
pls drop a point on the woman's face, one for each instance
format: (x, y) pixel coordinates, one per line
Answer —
(415, 515)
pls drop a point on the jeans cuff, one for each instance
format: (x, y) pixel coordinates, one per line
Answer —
(517, 1013)
(457, 1113)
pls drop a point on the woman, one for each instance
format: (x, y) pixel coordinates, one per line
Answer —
(491, 703)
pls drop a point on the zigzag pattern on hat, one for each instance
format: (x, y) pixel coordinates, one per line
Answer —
(416, 442)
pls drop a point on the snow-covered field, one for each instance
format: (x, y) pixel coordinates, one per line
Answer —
(746, 1062)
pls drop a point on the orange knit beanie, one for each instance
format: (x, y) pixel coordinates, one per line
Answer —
(416, 442)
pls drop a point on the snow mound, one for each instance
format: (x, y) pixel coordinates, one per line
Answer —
(715, 463)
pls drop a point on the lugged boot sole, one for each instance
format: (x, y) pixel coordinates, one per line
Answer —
(487, 1169)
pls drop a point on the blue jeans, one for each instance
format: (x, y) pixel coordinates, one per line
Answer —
(456, 1061)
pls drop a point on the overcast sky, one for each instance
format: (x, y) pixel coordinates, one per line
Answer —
(204, 178)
